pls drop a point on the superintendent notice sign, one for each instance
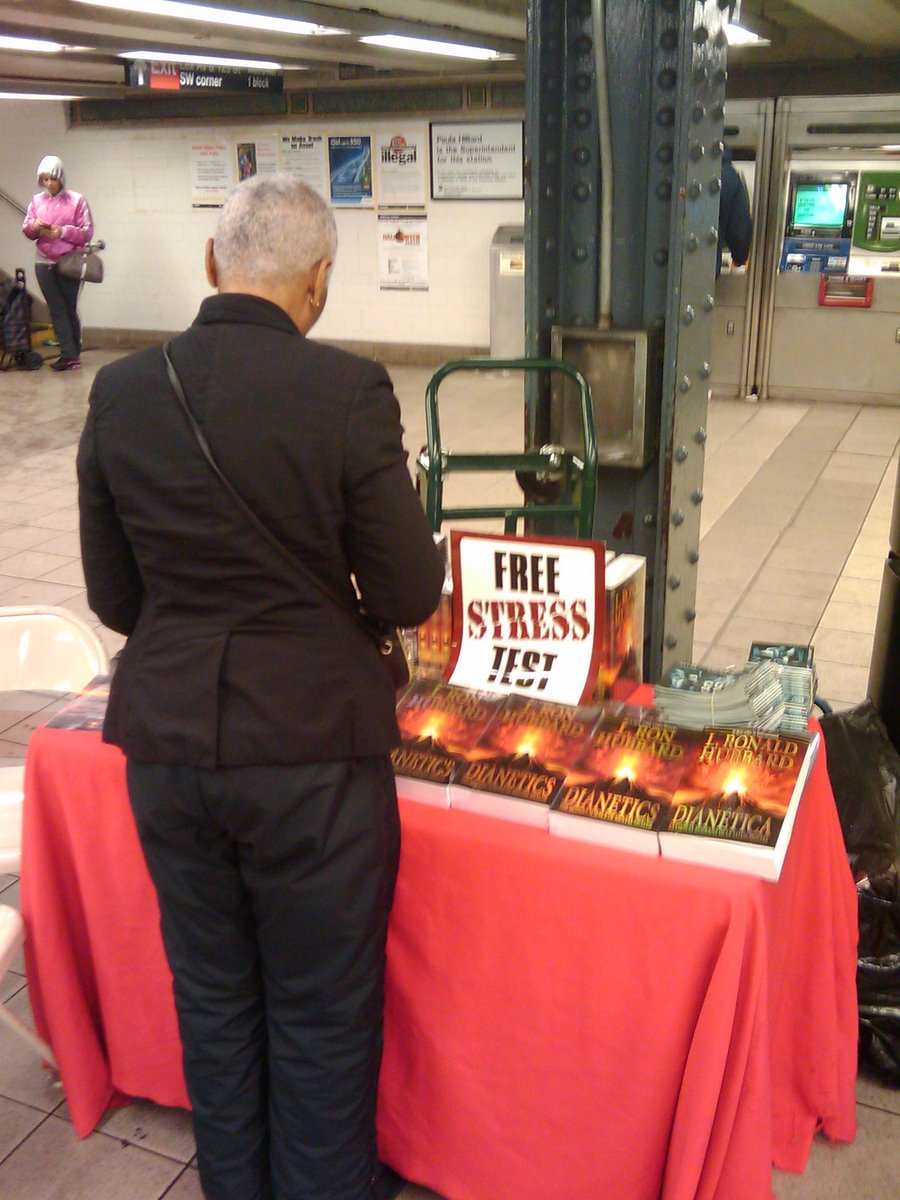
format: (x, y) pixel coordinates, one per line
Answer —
(477, 160)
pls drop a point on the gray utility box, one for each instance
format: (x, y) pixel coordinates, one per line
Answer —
(622, 367)
(508, 292)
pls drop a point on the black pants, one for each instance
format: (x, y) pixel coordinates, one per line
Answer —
(61, 295)
(275, 885)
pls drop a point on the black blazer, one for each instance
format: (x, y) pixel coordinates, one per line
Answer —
(231, 660)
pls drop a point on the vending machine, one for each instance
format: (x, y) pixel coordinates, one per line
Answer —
(819, 221)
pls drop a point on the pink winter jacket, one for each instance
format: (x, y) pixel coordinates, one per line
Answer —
(69, 210)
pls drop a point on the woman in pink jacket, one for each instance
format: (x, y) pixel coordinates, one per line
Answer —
(58, 220)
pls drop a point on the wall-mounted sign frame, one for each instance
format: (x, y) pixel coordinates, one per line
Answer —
(191, 77)
(477, 160)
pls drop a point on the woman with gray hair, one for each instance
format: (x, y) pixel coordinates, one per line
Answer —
(255, 713)
(58, 220)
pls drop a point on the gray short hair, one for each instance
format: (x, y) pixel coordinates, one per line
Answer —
(273, 228)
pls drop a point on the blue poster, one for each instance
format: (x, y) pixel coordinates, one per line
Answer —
(350, 170)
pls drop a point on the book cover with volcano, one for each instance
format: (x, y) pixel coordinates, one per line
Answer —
(620, 789)
(736, 804)
(439, 724)
(520, 762)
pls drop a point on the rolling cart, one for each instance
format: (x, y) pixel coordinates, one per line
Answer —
(561, 484)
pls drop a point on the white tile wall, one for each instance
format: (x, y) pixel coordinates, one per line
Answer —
(137, 182)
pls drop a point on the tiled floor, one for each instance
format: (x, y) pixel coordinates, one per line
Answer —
(794, 533)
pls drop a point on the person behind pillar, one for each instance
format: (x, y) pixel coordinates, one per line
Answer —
(735, 220)
(255, 714)
(58, 220)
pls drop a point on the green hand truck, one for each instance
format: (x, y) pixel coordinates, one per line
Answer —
(563, 483)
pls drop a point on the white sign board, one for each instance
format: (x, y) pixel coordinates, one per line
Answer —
(402, 252)
(528, 615)
(303, 156)
(211, 173)
(477, 160)
(400, 168)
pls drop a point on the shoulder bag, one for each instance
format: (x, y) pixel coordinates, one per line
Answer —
(386, 637)
(82, 264)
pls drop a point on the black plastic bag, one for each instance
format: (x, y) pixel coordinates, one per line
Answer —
(878, 975)
(864, 769)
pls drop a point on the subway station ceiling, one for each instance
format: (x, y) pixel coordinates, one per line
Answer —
(850, 36)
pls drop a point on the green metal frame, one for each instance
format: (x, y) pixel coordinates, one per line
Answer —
(435, 462)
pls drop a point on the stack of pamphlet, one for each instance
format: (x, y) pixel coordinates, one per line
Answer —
(797, 677)
(699, 697)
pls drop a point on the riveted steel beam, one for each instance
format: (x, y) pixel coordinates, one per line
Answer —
(665, 66)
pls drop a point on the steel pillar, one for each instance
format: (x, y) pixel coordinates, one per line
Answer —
(666, 88)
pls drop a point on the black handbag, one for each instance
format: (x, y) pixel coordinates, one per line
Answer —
(387, 638)
(82, 264)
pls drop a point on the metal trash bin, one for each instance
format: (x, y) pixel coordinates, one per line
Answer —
(508, 292)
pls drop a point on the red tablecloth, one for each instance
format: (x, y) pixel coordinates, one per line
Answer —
(563, 1022)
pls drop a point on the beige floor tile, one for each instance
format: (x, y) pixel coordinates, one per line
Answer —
(864, 566)
(819, 538)
(63, 519)
(31, 564)
(841, 681)
(843, 646)
(62, 543)
(806, 558)
(186, 1186)
(53, 1163)
(165, 1130)
(746, 629)
(872, 544)
(812, 585)
(875, 1094)
(11, 983)
(70, 573)
(854, 467)
(857, 591)
(22, 1075)
(867, 1170)
(856, 618)
(721, 654)
(36, 591)
(20, 537)
(708, 625)
(768, 606)
(16, 1122)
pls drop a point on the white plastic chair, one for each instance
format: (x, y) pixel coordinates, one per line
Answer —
(42, 648)
(12, 937)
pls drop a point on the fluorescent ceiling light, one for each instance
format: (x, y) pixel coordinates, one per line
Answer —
(215, 16)
(202, 60)
(33, 44)
(394, 41)
(33, 96)
(739, 36)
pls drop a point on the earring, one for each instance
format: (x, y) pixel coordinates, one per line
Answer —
(314, 303)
